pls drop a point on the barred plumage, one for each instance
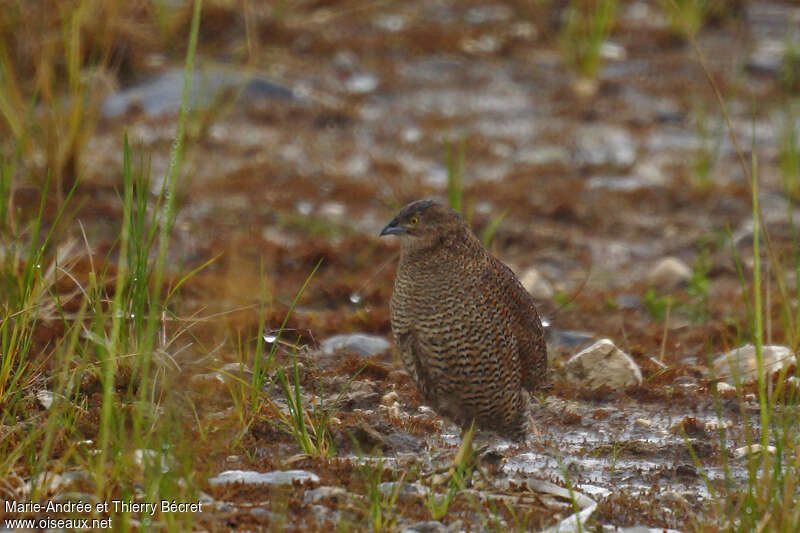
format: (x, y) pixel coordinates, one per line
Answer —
(466, 329)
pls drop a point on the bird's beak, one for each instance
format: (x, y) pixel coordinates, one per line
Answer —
(393, 228)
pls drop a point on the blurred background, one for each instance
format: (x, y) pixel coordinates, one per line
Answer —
(583, 135)
(606, 150)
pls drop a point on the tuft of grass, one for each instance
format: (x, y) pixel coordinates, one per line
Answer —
(52, 82)
(381, 507)
(459, 474)
(309, 425)
(656, 304)
(487, 235)
(586, 26)
(698, 307)
(113, 414)
(454, 159)
(789, 152)
(790, 67)
(767, 502)
(564, 300)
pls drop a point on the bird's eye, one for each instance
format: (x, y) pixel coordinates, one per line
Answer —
(413, 221)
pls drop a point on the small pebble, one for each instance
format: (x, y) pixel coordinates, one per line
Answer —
(714, 425)
(438, 479)
(643, 422)
(45, 398)
(751, 450)
(389, 398)
(724, 389)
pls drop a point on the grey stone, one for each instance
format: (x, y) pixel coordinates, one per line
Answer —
(408, 491)
(324, 493)
(263, 513)
(249, 477)
(323, 514)
(740, 363)
(162, 94)
(358, 343)
(401, 441)
(432, 526)
(603, 365)
(601, 145)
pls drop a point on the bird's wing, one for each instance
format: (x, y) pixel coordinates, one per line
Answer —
(526, 325)
(412, 355)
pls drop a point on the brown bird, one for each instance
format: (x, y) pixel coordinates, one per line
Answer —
(466, 329)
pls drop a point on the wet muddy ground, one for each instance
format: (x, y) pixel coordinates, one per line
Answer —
(348, 115)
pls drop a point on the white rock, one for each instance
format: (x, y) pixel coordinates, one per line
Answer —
(613, 51)
(359, 343)
(536, 285)
(725, 389)
(361, 83)
(603, 365)
(740, 363)
(249, 477)
(594, 490)
(390, 398)
(752, 450)
(669, 273)
(45, 398)
(324, 493)
(715, 425)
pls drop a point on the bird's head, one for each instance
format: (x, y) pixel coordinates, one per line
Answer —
(424, 224)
